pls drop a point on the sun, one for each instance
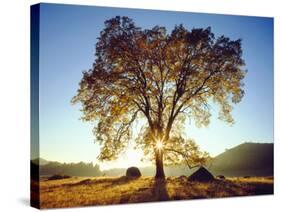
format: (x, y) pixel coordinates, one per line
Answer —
(159, 145)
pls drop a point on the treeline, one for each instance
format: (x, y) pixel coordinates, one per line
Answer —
(247, 159)
(72, 169)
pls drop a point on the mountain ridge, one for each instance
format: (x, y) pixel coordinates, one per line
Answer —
(253, 159)
(245, 159)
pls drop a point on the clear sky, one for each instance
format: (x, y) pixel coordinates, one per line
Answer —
(68, 35)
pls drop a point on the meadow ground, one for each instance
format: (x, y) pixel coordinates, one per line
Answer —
(79, 191)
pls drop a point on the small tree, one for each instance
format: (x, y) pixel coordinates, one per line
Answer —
(161, 78)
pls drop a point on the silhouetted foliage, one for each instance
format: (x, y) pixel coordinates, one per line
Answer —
(34, 171)
(133, 172)
(163, 79)
(72, 169)
(201, 175)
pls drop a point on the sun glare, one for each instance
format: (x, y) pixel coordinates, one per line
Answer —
(159, 145)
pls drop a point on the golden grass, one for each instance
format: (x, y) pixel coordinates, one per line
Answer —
(79, 191)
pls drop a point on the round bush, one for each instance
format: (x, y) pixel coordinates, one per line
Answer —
(133, 172)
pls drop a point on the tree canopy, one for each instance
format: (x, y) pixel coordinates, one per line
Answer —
(162, 78)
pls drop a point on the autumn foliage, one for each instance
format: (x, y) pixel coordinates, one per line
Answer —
(161, 78)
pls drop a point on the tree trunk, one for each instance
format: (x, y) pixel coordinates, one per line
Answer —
(159, 164)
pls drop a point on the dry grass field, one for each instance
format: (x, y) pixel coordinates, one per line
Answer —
(78, 191)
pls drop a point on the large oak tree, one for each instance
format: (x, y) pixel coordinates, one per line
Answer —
(162, 78)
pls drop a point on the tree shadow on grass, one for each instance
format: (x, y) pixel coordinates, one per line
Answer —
(160, 190)
(121, 180)
(151, 192)
(109, 182)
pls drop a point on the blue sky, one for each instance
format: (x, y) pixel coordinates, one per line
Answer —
(67, 45)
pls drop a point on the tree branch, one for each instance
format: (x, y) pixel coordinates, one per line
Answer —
(185, 156)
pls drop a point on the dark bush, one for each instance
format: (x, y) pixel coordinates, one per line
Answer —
(133, 172)
(201, 175)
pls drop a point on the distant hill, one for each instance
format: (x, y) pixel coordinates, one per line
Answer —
(72, 169)
(247, 159)
(40, 161)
